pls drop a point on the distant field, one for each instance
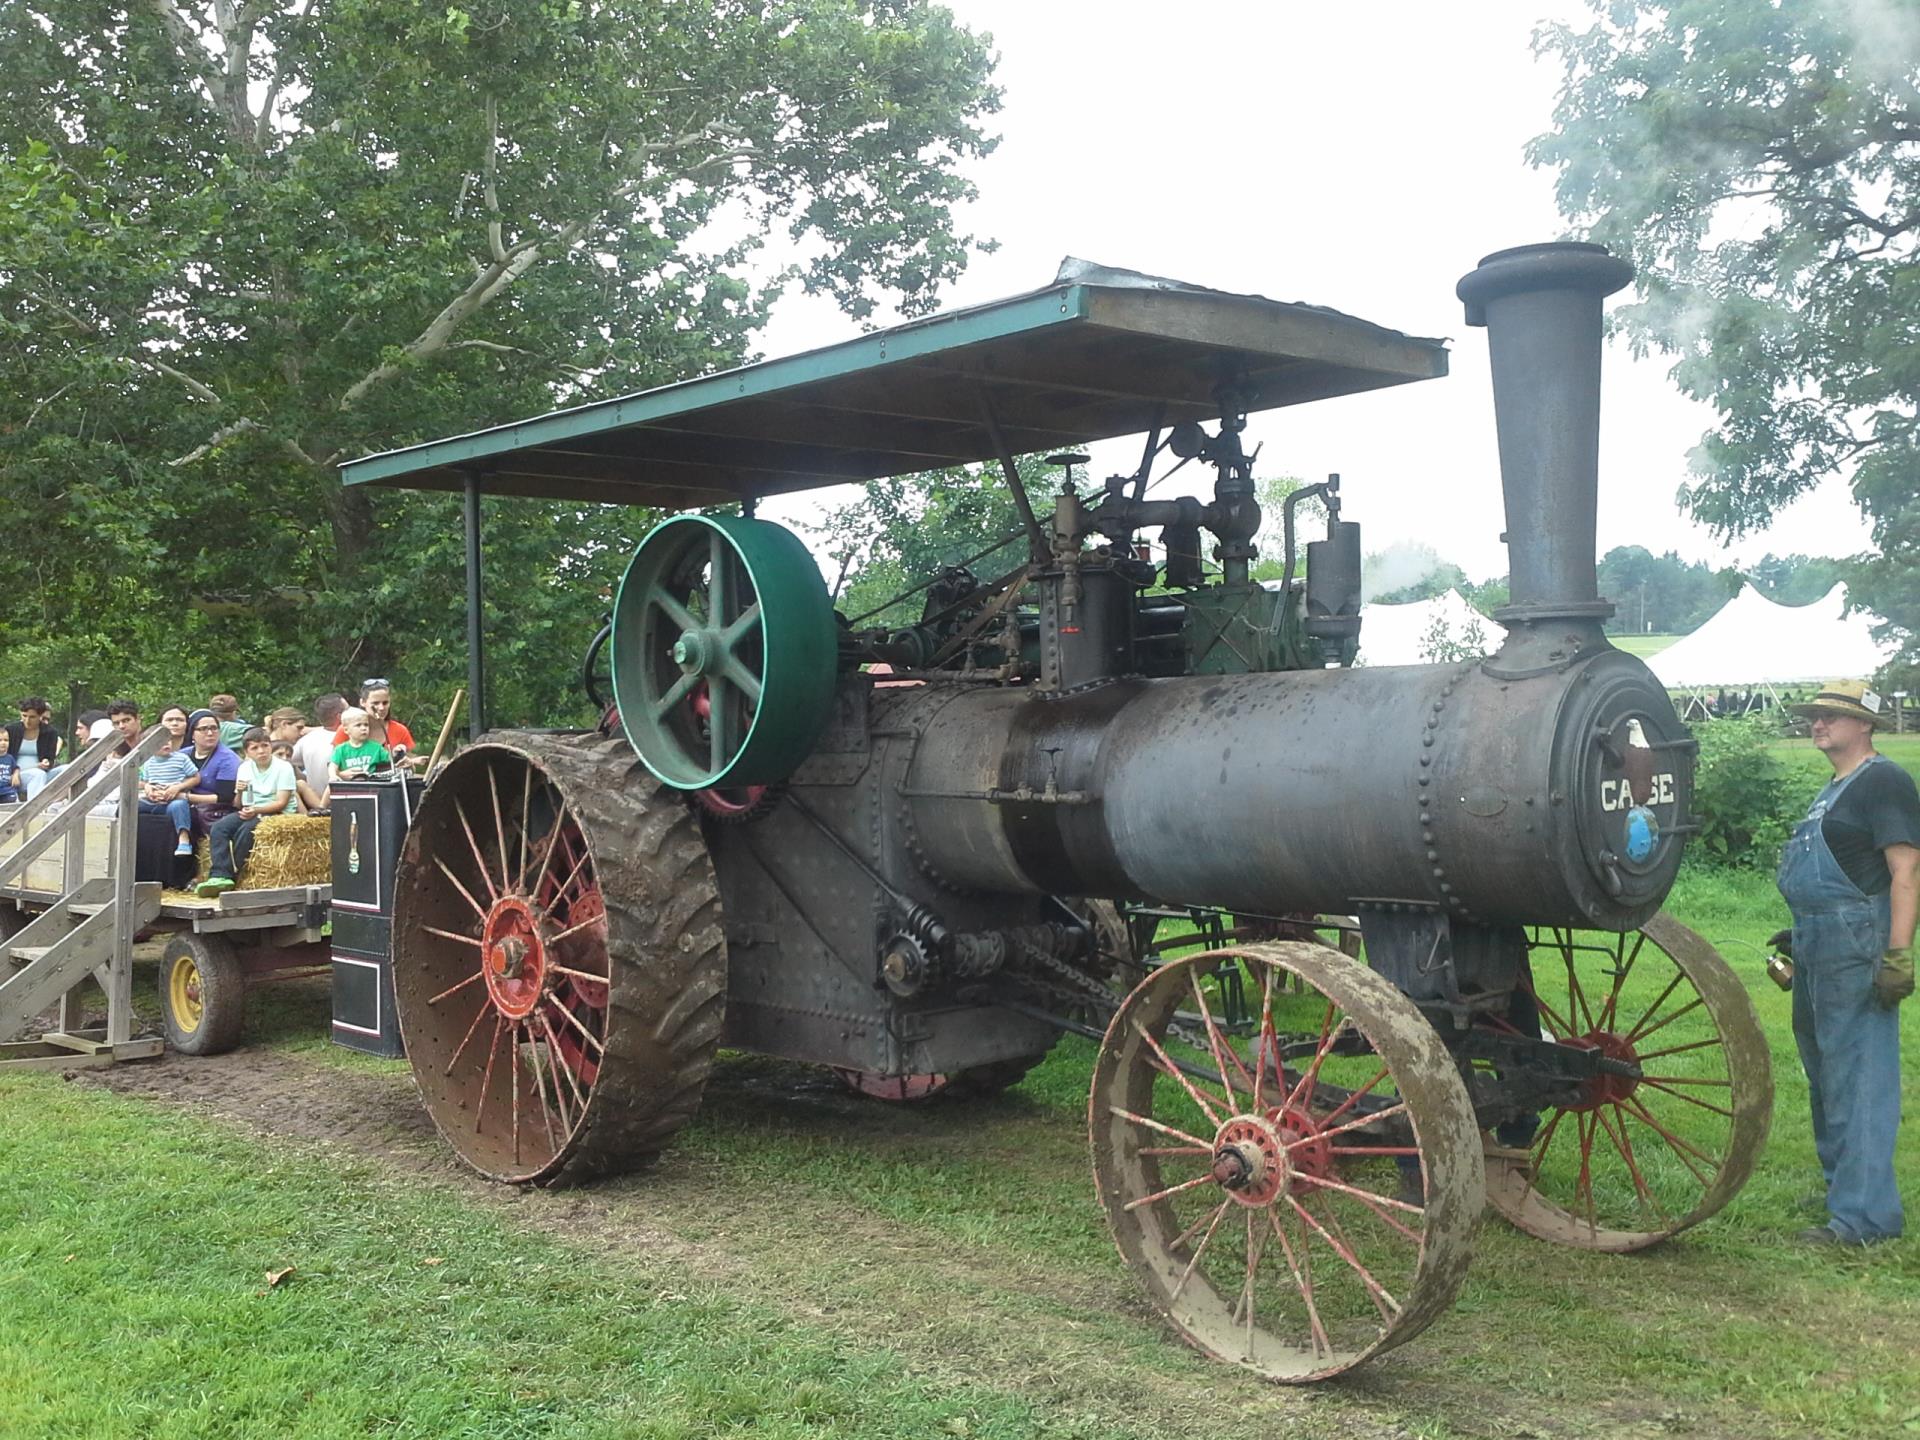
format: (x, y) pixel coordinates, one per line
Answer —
(1643, 645)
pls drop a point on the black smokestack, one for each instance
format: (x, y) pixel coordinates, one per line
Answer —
(1540, 305)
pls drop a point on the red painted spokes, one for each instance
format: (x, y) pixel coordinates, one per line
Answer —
(538, 932)
(1668, 1130)
(1268, 1179)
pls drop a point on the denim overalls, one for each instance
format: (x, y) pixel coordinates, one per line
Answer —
(1848, 1043)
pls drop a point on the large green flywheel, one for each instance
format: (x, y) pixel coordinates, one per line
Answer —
(724, 651)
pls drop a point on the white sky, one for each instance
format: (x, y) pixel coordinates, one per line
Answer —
(1362, 157)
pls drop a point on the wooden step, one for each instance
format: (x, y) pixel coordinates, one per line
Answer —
(27, 954)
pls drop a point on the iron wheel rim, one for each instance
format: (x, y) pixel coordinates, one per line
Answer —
(1165, 1141)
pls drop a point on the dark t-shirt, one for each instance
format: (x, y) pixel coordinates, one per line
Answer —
(1881, 807)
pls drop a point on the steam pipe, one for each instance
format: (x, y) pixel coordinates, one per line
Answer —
(1541, 306)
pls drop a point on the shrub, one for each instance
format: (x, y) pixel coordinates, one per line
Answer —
(1744, 799)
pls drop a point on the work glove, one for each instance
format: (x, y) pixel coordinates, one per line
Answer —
(1893, 981)
(1781, 942)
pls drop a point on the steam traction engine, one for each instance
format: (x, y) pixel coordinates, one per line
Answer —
(890, 873)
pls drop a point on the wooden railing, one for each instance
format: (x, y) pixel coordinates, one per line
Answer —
(80, 786)
(88, 925)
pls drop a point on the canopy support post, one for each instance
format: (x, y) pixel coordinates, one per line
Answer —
(476, 654)
(1038, 550)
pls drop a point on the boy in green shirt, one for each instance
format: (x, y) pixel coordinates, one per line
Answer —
(358, 756)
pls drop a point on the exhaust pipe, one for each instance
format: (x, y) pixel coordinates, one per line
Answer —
(1540, 305)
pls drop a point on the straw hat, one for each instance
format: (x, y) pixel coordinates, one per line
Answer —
(1844, 697)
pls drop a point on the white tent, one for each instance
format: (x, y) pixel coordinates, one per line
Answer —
(1399, 634)
(1752, 642)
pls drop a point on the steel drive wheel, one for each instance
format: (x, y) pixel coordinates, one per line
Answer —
(725, 651)
(1254, 1174)
(1635, 1160)
(203, 994)
(559, 965)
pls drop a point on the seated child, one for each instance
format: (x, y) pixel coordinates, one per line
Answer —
(358, 756)
(305, 801)
(263, 787)
(233, 729)
(9, 766)
(165, 778)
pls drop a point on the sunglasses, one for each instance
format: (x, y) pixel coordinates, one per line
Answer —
(376, 682)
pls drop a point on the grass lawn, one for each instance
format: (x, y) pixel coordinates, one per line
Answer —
(1903, 750)
(806, 1263)
(1642, 645)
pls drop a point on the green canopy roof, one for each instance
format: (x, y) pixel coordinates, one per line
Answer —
(1099, 353)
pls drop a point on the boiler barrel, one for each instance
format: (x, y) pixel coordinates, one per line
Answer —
(1556, 798)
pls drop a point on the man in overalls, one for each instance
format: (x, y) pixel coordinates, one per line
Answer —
(1851, 877)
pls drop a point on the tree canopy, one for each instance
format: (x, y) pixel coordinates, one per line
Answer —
(247, 241)
(900, 531)
(1662, 594)
(1760, 165)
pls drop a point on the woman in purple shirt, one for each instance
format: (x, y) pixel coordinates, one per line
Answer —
(219, 767)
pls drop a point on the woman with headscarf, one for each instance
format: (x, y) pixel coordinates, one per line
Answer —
(219, 767)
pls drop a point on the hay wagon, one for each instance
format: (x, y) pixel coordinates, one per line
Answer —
(72, 908)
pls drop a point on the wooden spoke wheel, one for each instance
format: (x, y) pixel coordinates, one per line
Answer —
(1256, 1175)
(1668, 1134)
(559, 965)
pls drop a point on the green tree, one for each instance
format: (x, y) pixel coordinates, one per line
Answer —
(1441, 645)
(246, 241)
(1795, 579)
(1759, 164)
(900, 531)
(1309, 524)
(1662, 594)
(1487, 596)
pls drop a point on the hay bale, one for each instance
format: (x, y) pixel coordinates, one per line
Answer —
(289, 850)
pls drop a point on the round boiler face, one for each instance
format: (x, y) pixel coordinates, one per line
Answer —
(1624, 762)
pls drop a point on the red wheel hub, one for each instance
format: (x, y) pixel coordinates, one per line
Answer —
(515, 960)
(1606, 1088)
(1250, 1160)
(1308, 1151)
(582, 945)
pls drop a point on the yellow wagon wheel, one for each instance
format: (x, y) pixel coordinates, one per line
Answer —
(203, 994)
